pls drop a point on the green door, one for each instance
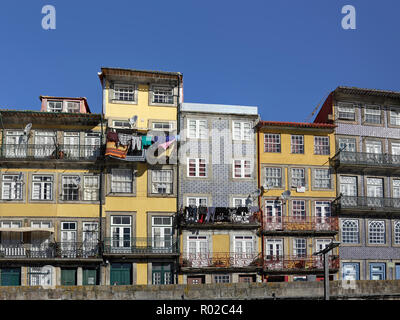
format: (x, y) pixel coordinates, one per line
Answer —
(162, 273)
(89, 277)
(121, 274)
(10, 276)
(68, 277)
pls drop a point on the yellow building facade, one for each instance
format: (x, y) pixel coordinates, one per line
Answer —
(298, 188)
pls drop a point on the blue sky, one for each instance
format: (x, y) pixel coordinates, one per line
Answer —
(282, 56)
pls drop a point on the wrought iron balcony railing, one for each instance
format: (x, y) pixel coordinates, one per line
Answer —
(307, 223)
(231, 218)
(366, 159)
(47, 151)
(367, 203)
(220, 260)
(127, 245)
(298, 263)
(50, 250)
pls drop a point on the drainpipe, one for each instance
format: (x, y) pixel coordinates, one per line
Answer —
(259, 200)
(101, 243)
(178, 129)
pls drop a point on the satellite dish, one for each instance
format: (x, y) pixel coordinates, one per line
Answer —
(28, 128)
(20, 176)
(78, 181)
(285, 195)
(133, 120)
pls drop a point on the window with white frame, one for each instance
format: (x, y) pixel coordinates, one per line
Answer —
(299, 209)
(196, 167)
(197, 201)
(11, 187)
(54, 106)
(42, 187)
(92, 144)
(348, 186)
(298, 177)
(273, 177)
(244, 245)
(121, 180)
(162, 232)
(70, 188)
(372, 146)
(91, 185)
(350, 231)
(44, 143)
(241, 168)
(273, 208)
(161, 181)
(242, 130)
(395, 117)
(222, 278)
(395, 148)
(346, 112)
(396, 232)
(322, 209)
(347, 144)
(239, 202)
(322, 178)
(372, 115)
(73, 106)
(162, 126)
(375, 187)
(299, 247)
(272, 142)
(121, 232)
(124, 92)
(321, 145)
(396, 188)
(15, 144)
(163, 95)
(376, 232)
(197, 129)
(121, 124)
(297, 144)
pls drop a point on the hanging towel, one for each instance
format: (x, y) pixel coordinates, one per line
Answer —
(165, 145)
(112, 136)
(210, 214)
(146, 140)
(124, 139)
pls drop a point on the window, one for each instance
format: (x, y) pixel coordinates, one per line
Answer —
(297, 144)
(11, 187)
(272, 142)
(347, 144)
(321, 145)
(395, 148)
(198, 253)
(71, 144)
(162, 126)
(163, 95)
(346, 112)
(395, 117)
(273, 208)
(372, 115)
(68, 239)
(121, 124)
(196, 201)
(299, 209)
(298, 177)
(196, 167)
(350, 231)
(91, 188)
(121, 180)
(348, 186)
(70, 188)
(73, 107)
(42, 187)
(322, 178)
(322, 209)
(121, 227)
(397, 232)
(54, 106)
(242, 130)
(374, 147)
(15, 144)
(273, 177)
(299, 247)
(162, 232)
(197, 129)
(376, 232)
(396, 188)
(374, 187)
(40, 276)
(222, 278)
(239, 202)
(92, 144)
(241, 168)
(124, 92)
(161, 181)
(44, 143)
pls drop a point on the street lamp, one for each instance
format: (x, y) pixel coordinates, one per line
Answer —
(325, 252)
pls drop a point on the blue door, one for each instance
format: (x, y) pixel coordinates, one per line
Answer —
(351, 271)
(397, 271)
(377, 271)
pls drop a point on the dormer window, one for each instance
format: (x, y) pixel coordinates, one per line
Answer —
(54, 106)
(73, 107)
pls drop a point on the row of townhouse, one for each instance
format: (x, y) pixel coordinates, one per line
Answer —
(157, 191)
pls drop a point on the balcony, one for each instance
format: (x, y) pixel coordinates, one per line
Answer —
(362, 160)
(156, 246)
(298, 264)
(220, 260)
(14, 152)
(293, 224)
(231, 218)
(366, 204)
(51, 250)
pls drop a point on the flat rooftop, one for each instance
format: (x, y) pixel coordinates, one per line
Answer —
(219, 108)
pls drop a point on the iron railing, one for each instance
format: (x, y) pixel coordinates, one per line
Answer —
(306, 223)
(364, 158)
(348, 202)
(230, 218)
(46, 151)
(220, 260)
(298, 263)
(19, 249)
(127, 245)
